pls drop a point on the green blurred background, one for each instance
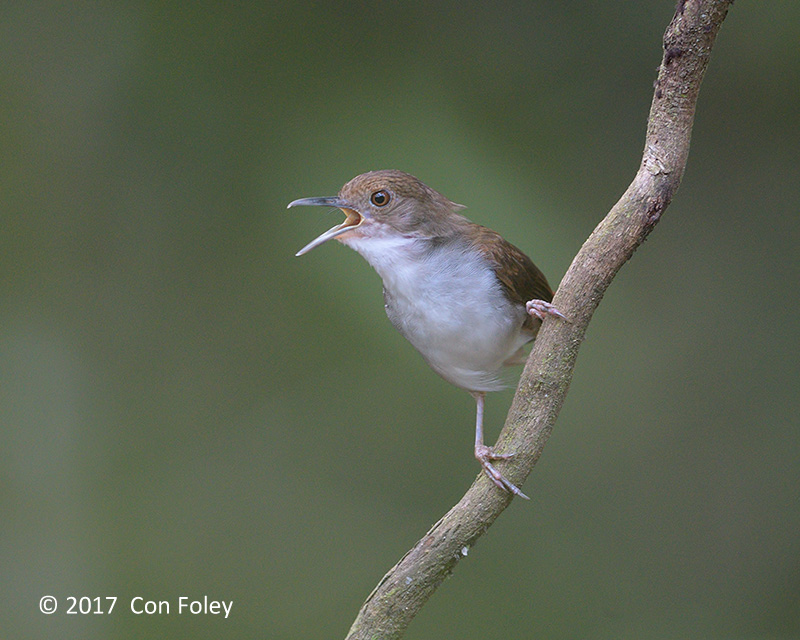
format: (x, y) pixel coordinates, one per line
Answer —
(188, 409)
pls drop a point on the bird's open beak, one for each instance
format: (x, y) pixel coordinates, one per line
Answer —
(353, 219)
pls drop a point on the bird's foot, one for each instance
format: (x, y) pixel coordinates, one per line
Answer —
(542, 309)
(485, 455)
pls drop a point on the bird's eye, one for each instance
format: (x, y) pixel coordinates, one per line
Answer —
(380, 198)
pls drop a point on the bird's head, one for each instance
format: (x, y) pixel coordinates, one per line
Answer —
(385, 203)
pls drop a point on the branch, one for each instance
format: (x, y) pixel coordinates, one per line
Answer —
(545, 381)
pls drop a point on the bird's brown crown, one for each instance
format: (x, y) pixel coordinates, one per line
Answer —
(399, 199)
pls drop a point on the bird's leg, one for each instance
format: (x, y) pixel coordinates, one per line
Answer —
(541, 309)
(485, 455)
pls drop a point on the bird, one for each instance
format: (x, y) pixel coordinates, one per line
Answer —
(465, 298)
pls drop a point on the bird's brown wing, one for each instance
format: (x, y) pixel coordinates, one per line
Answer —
(520, 278)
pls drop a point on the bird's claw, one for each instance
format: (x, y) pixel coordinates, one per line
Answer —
(485, 455)
(542, 309)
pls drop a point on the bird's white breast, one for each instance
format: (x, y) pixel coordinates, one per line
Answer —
(448, 303)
